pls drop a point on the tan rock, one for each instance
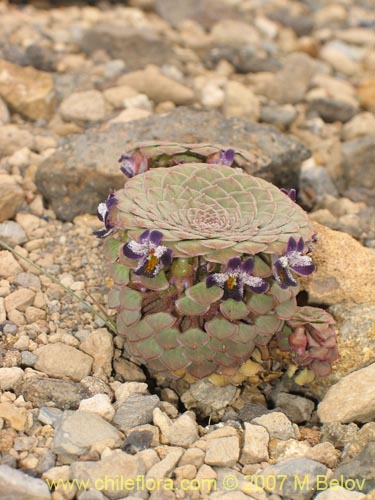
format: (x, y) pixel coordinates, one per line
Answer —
(17, 417)
(156, 86)
(117, 95)
(99, 344)
(27, 90)
(60, 360)
(9, 266)
(223, 452)
(345, 270)
(183, 431)
(9, 377)
(20, 300)
(240, 101)
(255, 447)
(11, 200)
(366, 93)
(164, 468)
(86, 106)
(352, 399)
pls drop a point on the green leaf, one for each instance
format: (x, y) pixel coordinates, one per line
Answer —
(280, 294)
(160, 321)
(260, 303)
(175, 359)
(286, 310)
(114, 298)
(120, 273)
(246, 333)
(139, 331)
(220, 328)
(149, 349)
(202, 295)
(233, 310)
(194, 338)
(268, 324)
(187, 307)
(168, 339)
(131, 300)
(127, 318)
(201, 355)
(160, 282)
(111, 248)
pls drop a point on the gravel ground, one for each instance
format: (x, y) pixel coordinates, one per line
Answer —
(78, 84)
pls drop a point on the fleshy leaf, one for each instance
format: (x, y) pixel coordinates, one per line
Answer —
(188, 307)
(221, 328)
(111, 249)
(202, 295)
(194, 338)
(160, 282)
(260, 303)
(120, 273)
(268, 324)
(286, 310)
(233, 310)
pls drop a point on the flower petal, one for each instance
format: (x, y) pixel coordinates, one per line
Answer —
(234, 263)
(283, 275)
(247, 265)
(292, 245)
(145, 236)
(155, 237)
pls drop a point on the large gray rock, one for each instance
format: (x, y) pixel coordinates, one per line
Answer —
(295, 478)
(16, 485)
(136, 46)
(358, 156)
(136, 410)
(64, 394)
(359, 472)
(77, 431)
(81, 173)
(107, 474)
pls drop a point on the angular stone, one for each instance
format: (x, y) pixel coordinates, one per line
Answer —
(62, 177)
(255, 446)
(339, 493)
(9, 266)
(12, 139)
(222, 452)
(64, 394)
(28, 91)
(352, 399)
(99, 345)
(100, 404)
(11, 200)
(165, 467)
(156, 86)
(183, 431)
(77, 431)
(20, 299)
(17, 417)
(61, 360)
(333, 282)
(136, 410)
(357, 155)
(294, 478)
(240, 101)
(205, 12)
(87, 106)
(111, 474)
(277, 424)
(9, 377)
(296, 408)
(359, 472)
(136, 46)
(15, 484)
(12, 233)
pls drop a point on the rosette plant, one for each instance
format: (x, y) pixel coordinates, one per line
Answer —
(205, 259)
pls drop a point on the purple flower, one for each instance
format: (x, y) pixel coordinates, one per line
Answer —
(103, 212)
(293, 260)
(237, 275)
(291, 193)
(223, 158)
(134, 164)
(151, 256)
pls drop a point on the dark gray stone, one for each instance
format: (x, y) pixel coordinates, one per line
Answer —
(296, 408)
(252, 410)
(63, 394)
(314, 183)
(204, 12)
(137, 441)
(136, 410)
(294, 478)
(82, 172)
(137, 47)
(332, 109)
(244, 59)
(357, 158)
(360, 470)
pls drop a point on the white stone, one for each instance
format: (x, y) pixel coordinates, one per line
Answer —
(100, 404)
(277, 424)
(255, 447)
(9, 377)
(86, 106)
(15, 484)
(123, 391)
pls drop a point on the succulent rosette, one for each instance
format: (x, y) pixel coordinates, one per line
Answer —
(205, 260)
